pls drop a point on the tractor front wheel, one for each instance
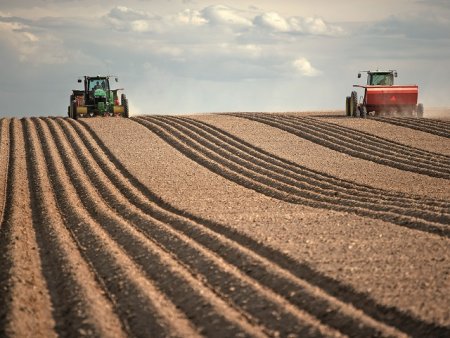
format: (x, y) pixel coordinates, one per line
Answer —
(354, 104)
(124, 102)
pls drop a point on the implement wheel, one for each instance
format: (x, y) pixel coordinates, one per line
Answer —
(420, 110)
(363, 111)
(354, 104)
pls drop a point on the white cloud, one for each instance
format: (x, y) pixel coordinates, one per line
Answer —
(44, 48)
(140, 26)
(304, 67)
(273, 21)
(314, 26)
(223, 15)
(190, 16)
(124, 13)
(122, 18)
(303, 25)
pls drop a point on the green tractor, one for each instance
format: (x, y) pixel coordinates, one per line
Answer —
(97, 99)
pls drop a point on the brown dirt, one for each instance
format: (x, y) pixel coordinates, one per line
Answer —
(411, 137)
(302, 224)
(24, 296)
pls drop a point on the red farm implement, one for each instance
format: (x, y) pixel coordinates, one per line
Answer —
(382, 97)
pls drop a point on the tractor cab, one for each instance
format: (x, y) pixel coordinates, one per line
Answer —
(379, 78)
(98, 83)
(95, 88)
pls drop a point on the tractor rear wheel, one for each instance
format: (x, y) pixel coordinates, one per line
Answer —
(124, 102)
(73, 105)
(347, 106)
(354, 104)
(420, 110)
(69, 110)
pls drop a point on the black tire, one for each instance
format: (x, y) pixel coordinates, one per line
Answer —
(363, 111)
(74, 111)
(124, 102)
(347, 106)
(69, 110)
(354, 104)
(420, 110)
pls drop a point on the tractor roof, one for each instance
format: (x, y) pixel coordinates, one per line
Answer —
(99, 77)
(391, 71)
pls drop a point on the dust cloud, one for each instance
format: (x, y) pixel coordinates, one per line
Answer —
(437, 113)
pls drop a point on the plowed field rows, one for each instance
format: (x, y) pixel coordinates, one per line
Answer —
(215, 225)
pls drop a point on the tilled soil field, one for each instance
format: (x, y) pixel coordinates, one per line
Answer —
(225, 225)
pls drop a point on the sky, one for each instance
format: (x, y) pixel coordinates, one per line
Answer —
(190, 56)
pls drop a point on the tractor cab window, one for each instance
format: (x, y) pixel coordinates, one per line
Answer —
(95, 84)
(381, 79)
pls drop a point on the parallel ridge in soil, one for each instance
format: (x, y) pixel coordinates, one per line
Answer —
(25, 305)
(78, 300)
(431, 126)
(361, 301)
(4, 162)
(194, 266)
(255, 169)
(358, 144)
(118, 261)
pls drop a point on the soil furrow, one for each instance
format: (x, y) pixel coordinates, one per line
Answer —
(298, 187)
(200, 305)
(256, 181)
(433, 124)
(441, 123)
(288, 173)
(193, 256)
(434, 127)
(268, 309)
(404, 136)
(337, 144)
(387, 314)
(374, 142)
(25, 303)
(78, 302)
(4, 163)
(139, 304)
(310, 176)
(368, 143)
(364, 141)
